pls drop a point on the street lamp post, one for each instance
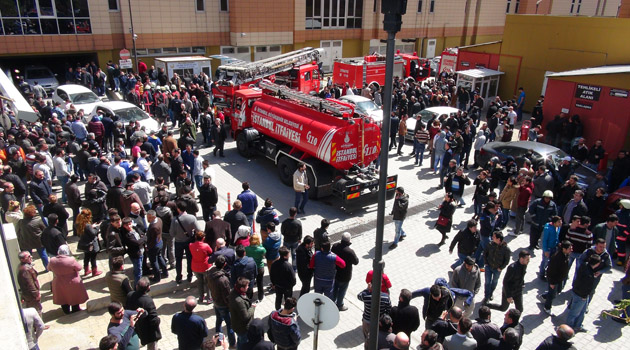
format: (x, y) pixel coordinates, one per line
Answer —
(393, 11)
(133, 38)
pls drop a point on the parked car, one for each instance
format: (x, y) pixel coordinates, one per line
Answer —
(543, 153)
(427, 115)
(80, 96)
(41, 74)
(612, 202)
(128, 112)
(365, 106)
(435, 64)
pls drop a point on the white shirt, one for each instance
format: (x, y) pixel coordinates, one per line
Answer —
(115, 171)
(198, 166)
(143, 166)
(512, 117)
(61, 167)
(45, 169)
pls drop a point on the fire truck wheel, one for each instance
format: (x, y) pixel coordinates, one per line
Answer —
(286, 168)
(243, 146)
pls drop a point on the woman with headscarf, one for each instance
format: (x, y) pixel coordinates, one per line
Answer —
(88, 242)
(67, 287)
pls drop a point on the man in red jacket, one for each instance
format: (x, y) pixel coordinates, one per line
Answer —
(524, 193)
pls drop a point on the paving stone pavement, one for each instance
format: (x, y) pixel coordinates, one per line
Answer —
(416, 263)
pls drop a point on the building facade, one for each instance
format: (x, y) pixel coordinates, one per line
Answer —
(63, 33)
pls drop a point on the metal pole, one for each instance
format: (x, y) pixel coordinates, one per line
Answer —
(318, 303)
(133, 39)
(393, 10)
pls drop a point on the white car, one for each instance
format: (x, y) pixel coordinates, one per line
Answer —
(80, 96)
(426, 115)
(128, 112)
(365, 106)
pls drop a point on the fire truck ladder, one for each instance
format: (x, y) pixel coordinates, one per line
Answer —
(320, 103)
(243, 72)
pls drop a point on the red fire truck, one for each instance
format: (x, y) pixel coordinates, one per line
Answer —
(337, 145)
(371, 69)
(297, 69)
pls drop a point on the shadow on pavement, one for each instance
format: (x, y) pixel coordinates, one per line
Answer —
(428, 250)
(350, 339)
(607, 330)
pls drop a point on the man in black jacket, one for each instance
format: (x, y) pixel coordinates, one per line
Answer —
(560, 341)
(405, 317)
(511, 320)
(497, 257)
(135, 247)
(148, 325)
(282, 277)
(448, 323)
(582, 287)
(52, 238)
(513, 283)
(291, 230)
(557, 271)
(344, 275)
(303, 257)
(236, 218)
(467, 241)
(399, 212)
(208, 197)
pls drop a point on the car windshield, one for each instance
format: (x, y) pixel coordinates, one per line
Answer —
(426, 116)
(367, 106)
(131, 114)
(84, 97)
(557, 156)
(39, 73)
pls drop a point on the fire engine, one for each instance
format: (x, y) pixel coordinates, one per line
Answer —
(296, 69)
(371, 69)
(288, 127)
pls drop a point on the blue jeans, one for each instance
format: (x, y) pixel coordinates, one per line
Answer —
(198, 181)
(223, 314)
(478, 207)
(460, 260)
(157, 261)
(483, 243)
(242, 341)
(293, 247)
(324, 287)
(117, 83)
(399, 230)
(180, 249)
(492, 279)
(577, 309)
(551, 294)
(40, 210)
(457, 158)
(438, 162)
(137, 269)
(419, 151)
(250, 219)
(42, 254)
(339, 292)
(505, 217)
(63, 180)
(459, 199)
(625, 291)
(301, 196)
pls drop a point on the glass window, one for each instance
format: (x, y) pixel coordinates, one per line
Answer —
(1, 29)
(518, 4)
(141, 52)
(225, 6)
(113, 5)
(184, 49)
(31, 26)
(419, 6)
(242, 49)
(46, 8)
(169, 50)
(155, 51)
(199, 49)
(66, 26)
(274, 48)
(12, 26)
(49, 26)
(28, 8)
(83, 26)
(201, 5)
(9, 8)
(63, 7)
(432, 6)
(507, 9)
(80, 8)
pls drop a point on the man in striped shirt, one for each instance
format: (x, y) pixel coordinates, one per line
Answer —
(420, 142)
(366, 297)
(581, 238)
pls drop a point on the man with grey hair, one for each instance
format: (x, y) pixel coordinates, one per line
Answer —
(29, 285)
(344, 275)
(189, 328)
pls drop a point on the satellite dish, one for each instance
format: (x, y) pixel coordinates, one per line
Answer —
(328, 312)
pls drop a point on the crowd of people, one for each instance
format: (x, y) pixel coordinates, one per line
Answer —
(143, 191)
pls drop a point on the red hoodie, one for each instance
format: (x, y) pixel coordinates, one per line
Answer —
(524, 193)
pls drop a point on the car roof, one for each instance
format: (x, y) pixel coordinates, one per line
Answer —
(354, 98)
(73, 88)
(538, 147)
(442, 110)
(117, 105)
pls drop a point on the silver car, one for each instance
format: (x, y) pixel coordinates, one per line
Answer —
(43, 76)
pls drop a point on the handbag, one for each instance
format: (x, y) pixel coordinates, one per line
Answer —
(443, 221)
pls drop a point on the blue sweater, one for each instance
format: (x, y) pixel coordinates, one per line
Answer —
(550, 237)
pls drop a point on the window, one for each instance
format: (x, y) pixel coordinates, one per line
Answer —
(518, 4)
(113, 5)
(225, 6)
(200, 5)
(28, 17)
(184, 49)
(329, 14)
(419, 6)
(172, 51)
(576, 5)
(509, 3)
(432, 6)
(169, 50)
